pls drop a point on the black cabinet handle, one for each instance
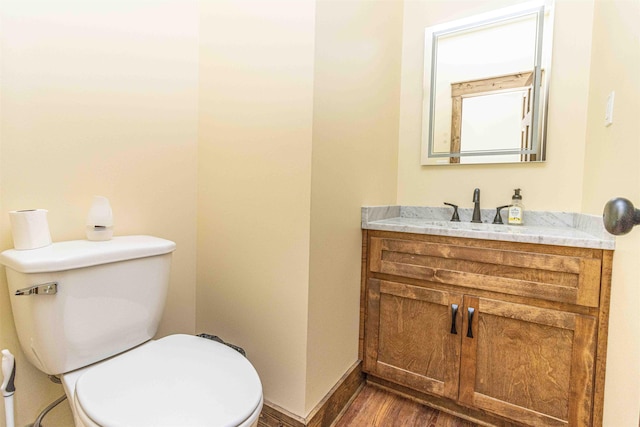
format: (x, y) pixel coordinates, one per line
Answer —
(454, 314)
(470, 312)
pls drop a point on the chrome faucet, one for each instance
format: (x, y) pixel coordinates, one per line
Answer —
(476, 206)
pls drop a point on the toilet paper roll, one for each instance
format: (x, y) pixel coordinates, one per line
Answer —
(30, 229)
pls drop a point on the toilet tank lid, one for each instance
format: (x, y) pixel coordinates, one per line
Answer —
(68, 255)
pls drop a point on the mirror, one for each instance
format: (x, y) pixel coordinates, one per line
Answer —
(486, 84)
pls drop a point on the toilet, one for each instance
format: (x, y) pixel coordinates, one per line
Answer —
(88, 311)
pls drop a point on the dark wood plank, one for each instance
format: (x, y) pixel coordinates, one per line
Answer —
(273, 415)
(442, 404)
(375, 407)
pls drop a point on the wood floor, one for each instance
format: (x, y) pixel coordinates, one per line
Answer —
(375, 407)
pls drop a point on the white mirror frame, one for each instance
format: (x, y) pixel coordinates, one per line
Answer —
(541, 8)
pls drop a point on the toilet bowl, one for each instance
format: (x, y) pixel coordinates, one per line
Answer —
(87, 311)
(179, 380)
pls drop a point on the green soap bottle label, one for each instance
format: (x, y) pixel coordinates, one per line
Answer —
(515, 215)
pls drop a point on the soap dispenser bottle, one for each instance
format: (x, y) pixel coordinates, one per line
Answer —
(516, 209)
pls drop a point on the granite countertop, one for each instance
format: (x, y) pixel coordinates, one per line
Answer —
(549, 228)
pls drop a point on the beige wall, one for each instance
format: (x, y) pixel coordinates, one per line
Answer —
(433, 185)
(254, 159)
(100, 98)
(611, 170)
(355, 128)
(291, 146)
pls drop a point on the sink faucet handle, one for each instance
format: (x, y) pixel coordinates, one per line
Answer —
(455, 217)
(476, 216)
(498, 219)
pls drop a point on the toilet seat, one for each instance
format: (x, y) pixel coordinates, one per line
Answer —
(178, 381)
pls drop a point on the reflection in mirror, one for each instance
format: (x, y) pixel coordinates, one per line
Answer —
(486, 84)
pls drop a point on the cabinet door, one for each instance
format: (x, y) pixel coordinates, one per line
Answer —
(528, 364)
(413, 336)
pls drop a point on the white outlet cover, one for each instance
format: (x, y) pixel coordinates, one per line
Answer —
(608, 115)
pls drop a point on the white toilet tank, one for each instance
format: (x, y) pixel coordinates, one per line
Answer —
(82, 301)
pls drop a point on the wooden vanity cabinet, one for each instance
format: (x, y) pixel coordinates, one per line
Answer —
(408, 337)
(498, 332)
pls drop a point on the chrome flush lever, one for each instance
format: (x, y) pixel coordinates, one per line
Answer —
(50, 288)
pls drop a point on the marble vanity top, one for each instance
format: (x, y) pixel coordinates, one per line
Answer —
(549, 228)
